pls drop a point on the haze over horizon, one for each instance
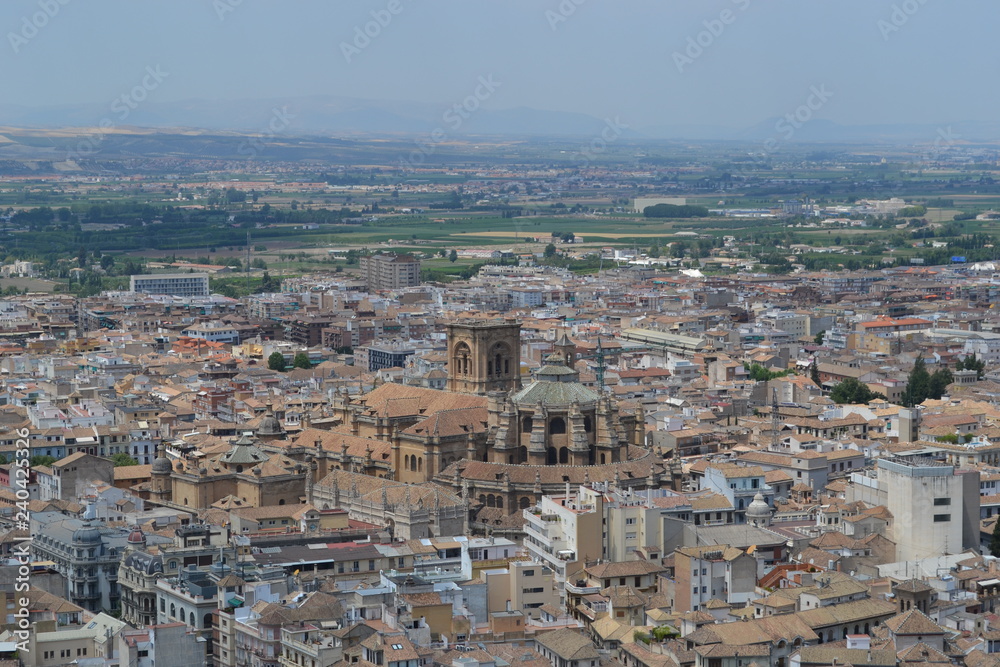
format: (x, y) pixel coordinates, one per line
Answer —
(660, 68)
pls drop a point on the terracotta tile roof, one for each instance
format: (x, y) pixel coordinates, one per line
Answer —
(568, 644)
(448, 423)
(913, 622)
(396, 400)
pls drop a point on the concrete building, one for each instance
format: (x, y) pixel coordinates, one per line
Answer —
(50, 645)
(213, 332)
(565, 532)
(935, 508)
(390, 271)
(383, 355)
(524, 585)
(712, 572)
(74, 473)
(167, 645)
(175, 284)
(739, 484)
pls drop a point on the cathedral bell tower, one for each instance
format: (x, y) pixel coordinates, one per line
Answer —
(484, 356)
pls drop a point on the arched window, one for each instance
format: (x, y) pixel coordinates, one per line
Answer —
(524, 503)
(522, 454)
(557, 426)
(603, 457)
(588, 424)
(501, 359)
(527, 424)
(239, 468)
(173, 610)
(482, 499)
(208, 620)
(563, 455)
(281, 501)
(420, 464)
(500, 502)
(413, 464)
(551, 457)
(406, 462)
(461, 359)
(191, 617)
(491, 500)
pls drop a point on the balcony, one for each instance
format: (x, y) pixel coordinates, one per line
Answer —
(581, 587)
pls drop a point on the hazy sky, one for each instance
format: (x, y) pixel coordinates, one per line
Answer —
(934, 61)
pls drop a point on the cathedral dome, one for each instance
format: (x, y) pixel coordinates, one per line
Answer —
(555, 385)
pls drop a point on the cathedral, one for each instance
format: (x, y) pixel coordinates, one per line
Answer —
(542, 436)
(492, 444)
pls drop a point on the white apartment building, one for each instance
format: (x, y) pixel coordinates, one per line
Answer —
(176, 284)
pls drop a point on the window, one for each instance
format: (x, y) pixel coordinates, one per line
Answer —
(630, 522)
(942, 501)
(528, 573)
(397, 647)
(942, 518)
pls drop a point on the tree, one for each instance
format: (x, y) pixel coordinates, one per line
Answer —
(300, 360)
(938, 385)
(276, 362)
(758, 373)
(123, 459)
(918, 385)
(995, 540)
(853, 391)
(972, 363)
(814, 373)
(550, 250)
(453, 255)
(818, 338)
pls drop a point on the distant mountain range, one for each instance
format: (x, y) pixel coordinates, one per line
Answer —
(324, 114)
